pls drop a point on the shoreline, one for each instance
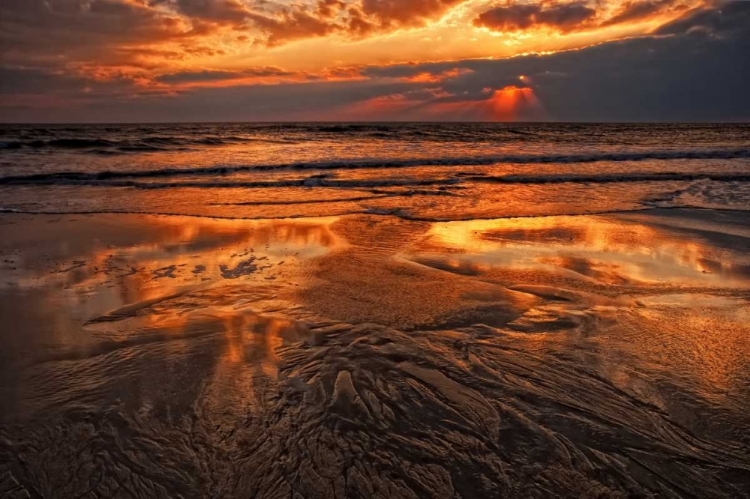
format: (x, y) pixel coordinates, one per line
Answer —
(658, 211)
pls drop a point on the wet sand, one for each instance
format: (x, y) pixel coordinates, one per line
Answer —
(369, 356)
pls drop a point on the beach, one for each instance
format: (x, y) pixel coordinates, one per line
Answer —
(367, 355)
(355, 249)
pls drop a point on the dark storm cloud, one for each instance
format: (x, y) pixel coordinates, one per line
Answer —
(214, 76)
(729, 17)
(515, 17)
(571, 16)
(15, 81)
(637, 10)
(695, 68)
(18, 82)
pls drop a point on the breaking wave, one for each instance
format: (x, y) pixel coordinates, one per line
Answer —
(115, 177)
(145, 144)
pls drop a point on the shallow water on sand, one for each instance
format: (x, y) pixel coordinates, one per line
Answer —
(371, 356)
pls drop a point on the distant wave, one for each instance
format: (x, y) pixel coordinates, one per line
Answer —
(58, 143)
(210, 134)
(103, 180)
(614, 178)
(110, 177)
(144, 144)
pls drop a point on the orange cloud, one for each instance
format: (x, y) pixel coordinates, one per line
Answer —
(214, 11)
(398, 12)
(427, 77)
(356, 19)
(292, 25)
(393, 47)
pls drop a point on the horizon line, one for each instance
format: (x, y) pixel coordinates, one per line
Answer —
(381, 122)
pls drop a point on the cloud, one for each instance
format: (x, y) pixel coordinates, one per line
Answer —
(292, 25)
(216, 11)
(722, 17)
(213, 76)
(50, 28)
(517, 17)
(637, 10)
(351, 18)
(574, 16)
(397, 12)
(417, 73)
(250, 76)
(427, 77)
(15, 81)
(694, 68)
(154, 35)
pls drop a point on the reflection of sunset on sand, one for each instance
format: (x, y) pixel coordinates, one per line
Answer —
(617, 339)
(613, 251)
(110, 274)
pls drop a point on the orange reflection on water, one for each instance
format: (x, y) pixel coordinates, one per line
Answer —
(691, 328)
(252, 337)
(191, 252)
(208, 294)
(249, 358)
(609, 250)
(116, 276)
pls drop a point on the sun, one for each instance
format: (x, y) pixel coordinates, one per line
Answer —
(512, 103)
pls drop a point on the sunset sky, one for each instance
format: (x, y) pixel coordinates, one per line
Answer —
(273, 60)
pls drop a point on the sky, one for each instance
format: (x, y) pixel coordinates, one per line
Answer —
(374, 60)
